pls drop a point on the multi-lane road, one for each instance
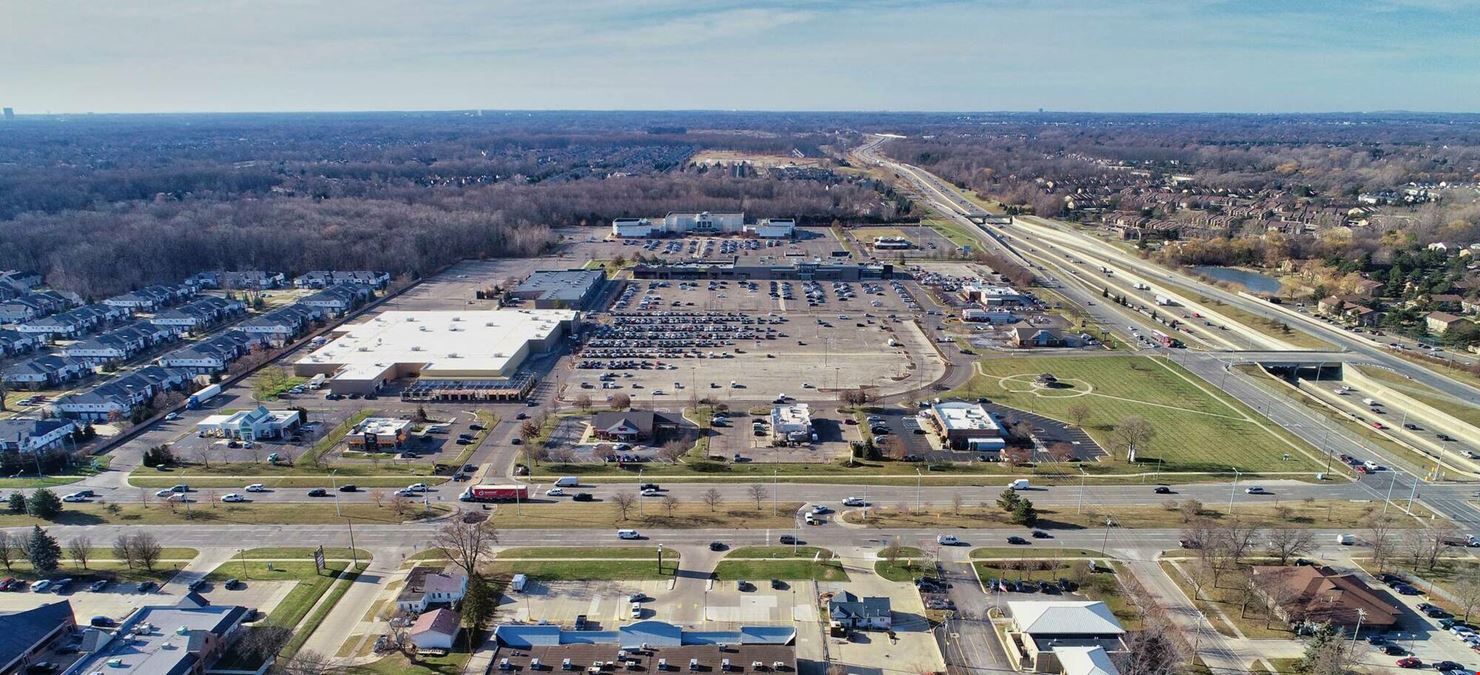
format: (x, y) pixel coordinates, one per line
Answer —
(1065, 254)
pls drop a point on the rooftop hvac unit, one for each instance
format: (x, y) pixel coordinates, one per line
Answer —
(364, 349)
(457, 318)
(412, 319)
(416, 348)
(423, 329)
(453, 355)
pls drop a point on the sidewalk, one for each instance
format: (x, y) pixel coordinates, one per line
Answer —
(346, 619)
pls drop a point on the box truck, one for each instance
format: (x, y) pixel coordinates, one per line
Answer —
(200, 398)
(495, 493)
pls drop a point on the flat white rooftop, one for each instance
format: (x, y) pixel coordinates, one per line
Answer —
(959, 415)
(453, 341)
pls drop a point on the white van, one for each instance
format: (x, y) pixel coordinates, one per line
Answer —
(627, 534)
(947, 539)
(1019, 484)
(518, 582)
(567, 481)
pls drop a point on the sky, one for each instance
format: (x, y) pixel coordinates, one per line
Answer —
(70, 56)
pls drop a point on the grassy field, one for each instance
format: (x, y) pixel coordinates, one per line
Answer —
(903, 569)
(1460, 410)
(777, 552)
(309, 587)
(274, 482)
(605, 553)
(953, 231)
(1195, 429)
(400, 664)
(33, 482)
(790, 570)
(584, 570)
(584, 515)
(301, 552)
(995, 552)
(1228, 597)
(1314, 514)
(1284, 331)
(214, 512)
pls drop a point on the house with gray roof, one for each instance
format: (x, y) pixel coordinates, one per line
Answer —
(30, 436)
(852, 611)
(44, 371)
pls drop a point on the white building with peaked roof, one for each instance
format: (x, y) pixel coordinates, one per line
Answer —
(250, 425)
(1044, 632)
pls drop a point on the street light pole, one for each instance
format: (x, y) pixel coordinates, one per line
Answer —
(919, 502)
(334, 481)
(1082, 475)
(1232, 490)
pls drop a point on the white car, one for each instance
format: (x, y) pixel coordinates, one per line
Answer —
(164, 493)
(232, 497)
(256, 487)
(75, 497)
(555, 492)
(171, 417)
(1255, 490)
(417, 487)
(650, 493)
(405, 492)
(820, 508)
(854, 501)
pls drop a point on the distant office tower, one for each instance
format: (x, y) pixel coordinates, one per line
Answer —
(10, 113)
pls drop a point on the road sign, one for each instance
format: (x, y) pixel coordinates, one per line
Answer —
(318, 559)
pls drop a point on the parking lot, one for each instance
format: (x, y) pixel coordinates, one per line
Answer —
(742, 341)
(119, 599)
(605, 604)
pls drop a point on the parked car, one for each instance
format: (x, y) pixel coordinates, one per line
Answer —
(98, 586)
(1410, 662)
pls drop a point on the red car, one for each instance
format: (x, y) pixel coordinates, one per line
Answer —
(6, 583)
(1410, 662)
(1378, 425)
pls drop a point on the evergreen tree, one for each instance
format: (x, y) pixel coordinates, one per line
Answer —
(1008, 500)
(478, 606)
(43, 551)
(1023, 513)
(17, 502)
(44, 504)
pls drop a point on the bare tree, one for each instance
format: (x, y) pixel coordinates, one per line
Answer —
(1467, 594)
(624, 502)
(1197, 534)
(399, 503)
(124, 552)
(672, 450)
(758, 492)
(466, 544)
(1191, 510)
(956, 501)
(308, 662)
(10, 550)
(670, 503)
(1379, 528)
(377, 496)
(1078, 413)
(1238, 538)
(146, 550)
(80, 548)
(583, 402)
(712, 498)
(1289, 542)
(620, 401)
(1132, 434)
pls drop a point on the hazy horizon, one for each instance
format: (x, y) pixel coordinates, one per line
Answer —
(1261, 56)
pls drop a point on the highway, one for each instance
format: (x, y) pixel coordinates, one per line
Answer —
(1453, 501)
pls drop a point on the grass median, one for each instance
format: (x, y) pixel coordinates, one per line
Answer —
(585, 515)
(585, 570)
(1309, 513)
(606, 553)
(156, 513)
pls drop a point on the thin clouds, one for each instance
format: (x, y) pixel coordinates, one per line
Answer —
(146, 55)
